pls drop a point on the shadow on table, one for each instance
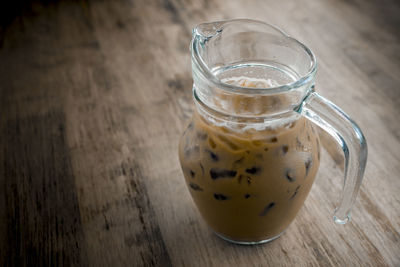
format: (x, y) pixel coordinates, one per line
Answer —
(16, 8)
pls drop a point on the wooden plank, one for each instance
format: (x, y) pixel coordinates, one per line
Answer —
(40, 204)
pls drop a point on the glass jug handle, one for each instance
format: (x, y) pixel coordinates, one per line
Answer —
(348, 135)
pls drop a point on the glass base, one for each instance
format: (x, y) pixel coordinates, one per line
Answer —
(248, 242)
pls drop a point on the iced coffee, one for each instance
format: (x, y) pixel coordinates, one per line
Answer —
(249, 183)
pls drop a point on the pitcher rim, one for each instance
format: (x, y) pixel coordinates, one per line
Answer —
(209, 75)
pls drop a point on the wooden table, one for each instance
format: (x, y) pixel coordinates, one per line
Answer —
(95, 94)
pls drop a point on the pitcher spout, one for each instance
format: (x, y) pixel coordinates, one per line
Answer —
(206, 31)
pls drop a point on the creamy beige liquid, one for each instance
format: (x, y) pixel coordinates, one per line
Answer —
(249, 185)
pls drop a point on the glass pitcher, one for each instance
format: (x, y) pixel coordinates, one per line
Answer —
(251, 151)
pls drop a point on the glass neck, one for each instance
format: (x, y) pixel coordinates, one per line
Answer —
(246, 107)
(245, 69)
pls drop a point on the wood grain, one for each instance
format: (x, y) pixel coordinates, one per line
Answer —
(95, 94)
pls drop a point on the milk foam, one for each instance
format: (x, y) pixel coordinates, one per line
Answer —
(272, 124)
(250, 82)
